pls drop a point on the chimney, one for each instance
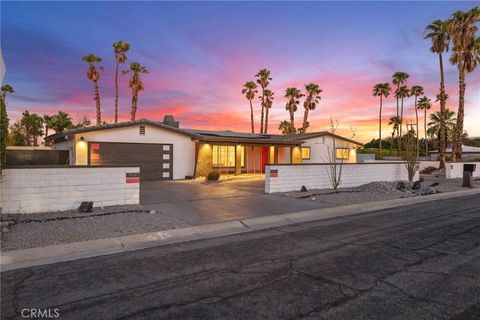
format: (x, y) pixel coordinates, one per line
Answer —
(170, 121)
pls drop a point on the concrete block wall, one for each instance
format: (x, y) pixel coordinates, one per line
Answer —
(292, 177)
(32, 190)
(455, 169)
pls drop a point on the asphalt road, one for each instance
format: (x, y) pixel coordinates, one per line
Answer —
(415, 262)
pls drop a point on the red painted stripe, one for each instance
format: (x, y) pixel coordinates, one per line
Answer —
(133, 180)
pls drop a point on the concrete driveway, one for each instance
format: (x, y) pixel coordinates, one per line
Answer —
(197, 203)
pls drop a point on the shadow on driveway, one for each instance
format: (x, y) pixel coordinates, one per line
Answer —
(198, 203)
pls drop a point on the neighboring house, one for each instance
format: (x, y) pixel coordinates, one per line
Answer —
(165, 151)
(468, 153)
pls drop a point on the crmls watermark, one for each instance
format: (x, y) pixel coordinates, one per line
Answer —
(33, 313)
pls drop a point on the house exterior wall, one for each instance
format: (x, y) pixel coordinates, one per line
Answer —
(183, 146)
(316, 176)
(33, 190)
(321, 146)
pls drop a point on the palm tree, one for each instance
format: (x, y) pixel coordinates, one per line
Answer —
(119, 48)
(425, 104)
(47, 120)
(381, 90)
(293, 95)
(462, 28)
(399, 78)
(94, 76)
(437, 32)
(268, 94)
(313, 98)
(416, 91)
(263, 79)
(286, 127)
(396, 121)
(435, 123)
(249, 90)
(6, 89)
(135, 84)
(401, 93)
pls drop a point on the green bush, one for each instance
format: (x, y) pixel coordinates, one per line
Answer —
(3, 132)
(213, 176)
(428, 170)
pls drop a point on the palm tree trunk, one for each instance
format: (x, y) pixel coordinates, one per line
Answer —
(263, 110)
(401, 127)
(305, 120)
(97, 100)
(380, 126)
(251, 117)
(116, 92)
(266, 120)
(457, 137)
(442, 134)
(393, 140)
(425, 128)
(46, 131)
(416, 128)
(134, 106)
(292, 120)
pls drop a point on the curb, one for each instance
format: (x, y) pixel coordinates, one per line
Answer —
(24, 258)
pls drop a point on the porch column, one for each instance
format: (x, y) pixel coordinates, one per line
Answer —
(238, 159)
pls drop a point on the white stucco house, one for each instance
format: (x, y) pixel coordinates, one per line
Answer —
(163, 150)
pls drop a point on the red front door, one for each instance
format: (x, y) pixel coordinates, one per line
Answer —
(264, 158)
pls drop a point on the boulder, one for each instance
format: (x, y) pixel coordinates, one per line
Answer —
(401, 186)
(417, 185)
(85, 206)
(303, 189)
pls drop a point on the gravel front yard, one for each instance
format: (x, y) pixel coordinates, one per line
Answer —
(39, 230)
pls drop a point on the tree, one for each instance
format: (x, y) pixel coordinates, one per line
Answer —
(47, 120)
(82, 121)
(27, 130)
(3, 133)
(399, 78)
(395, 121)
(93, 75)
(461, 27)
(313, 98)
(61, 121)
(449, 121)
(417, 91)
(286, 127)
(136, 84)
(250, 90)
(263, 79)
(293, 95)
(119, 48)
(381, 90)
(268, 99)
(401, 93)
(437, 32)
(6, 89)
(411, 159)
(425, 104)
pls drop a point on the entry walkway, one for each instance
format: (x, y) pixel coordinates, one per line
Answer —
(198, 203)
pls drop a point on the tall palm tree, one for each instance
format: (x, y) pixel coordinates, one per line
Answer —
(416, 91)
(119, 48)
(461, 27)
(436, 120)
(250, 90)
(268, 99)
(136, 84)
(93, 75)
(437, 32)
(399, 78)
(395, 121)
(263, 79)
(6, 89)
(381, 90)
(424, 104)
(293, 95)
(401, 93)
(312, 99)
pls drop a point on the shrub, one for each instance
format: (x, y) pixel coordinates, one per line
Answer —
(213, 176)
(428, 170)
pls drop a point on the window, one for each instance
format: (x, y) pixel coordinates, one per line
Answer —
(224, 156)
(342, 153)
(306, 153)
(142, 130)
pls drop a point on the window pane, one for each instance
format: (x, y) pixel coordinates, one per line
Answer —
(342, 153)
(224, 156)
(305, 153)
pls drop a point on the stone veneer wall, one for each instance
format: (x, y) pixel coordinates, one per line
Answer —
(315, 176)
(46, 189)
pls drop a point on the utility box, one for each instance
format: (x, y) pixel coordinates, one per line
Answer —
(468, 170)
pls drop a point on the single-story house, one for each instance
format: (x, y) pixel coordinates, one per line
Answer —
(468, 153)
(163, 150)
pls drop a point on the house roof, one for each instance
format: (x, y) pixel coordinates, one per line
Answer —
(206, 135)
(465, 149)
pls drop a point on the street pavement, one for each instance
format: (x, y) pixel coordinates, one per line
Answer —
(413, 262)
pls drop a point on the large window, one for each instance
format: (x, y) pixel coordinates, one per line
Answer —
(342, 153)
(224, 156)
(306, 153)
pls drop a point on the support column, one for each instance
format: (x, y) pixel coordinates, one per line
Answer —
(238, 159)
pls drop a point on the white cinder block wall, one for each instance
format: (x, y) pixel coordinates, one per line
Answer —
(455, 169)
(35, 190)
(293, 177)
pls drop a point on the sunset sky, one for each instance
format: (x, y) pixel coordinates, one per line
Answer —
(199, 54)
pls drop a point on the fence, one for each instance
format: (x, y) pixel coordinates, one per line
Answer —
(283, 178)
(37, 157)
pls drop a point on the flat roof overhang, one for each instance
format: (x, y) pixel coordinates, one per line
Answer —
(247, 141)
